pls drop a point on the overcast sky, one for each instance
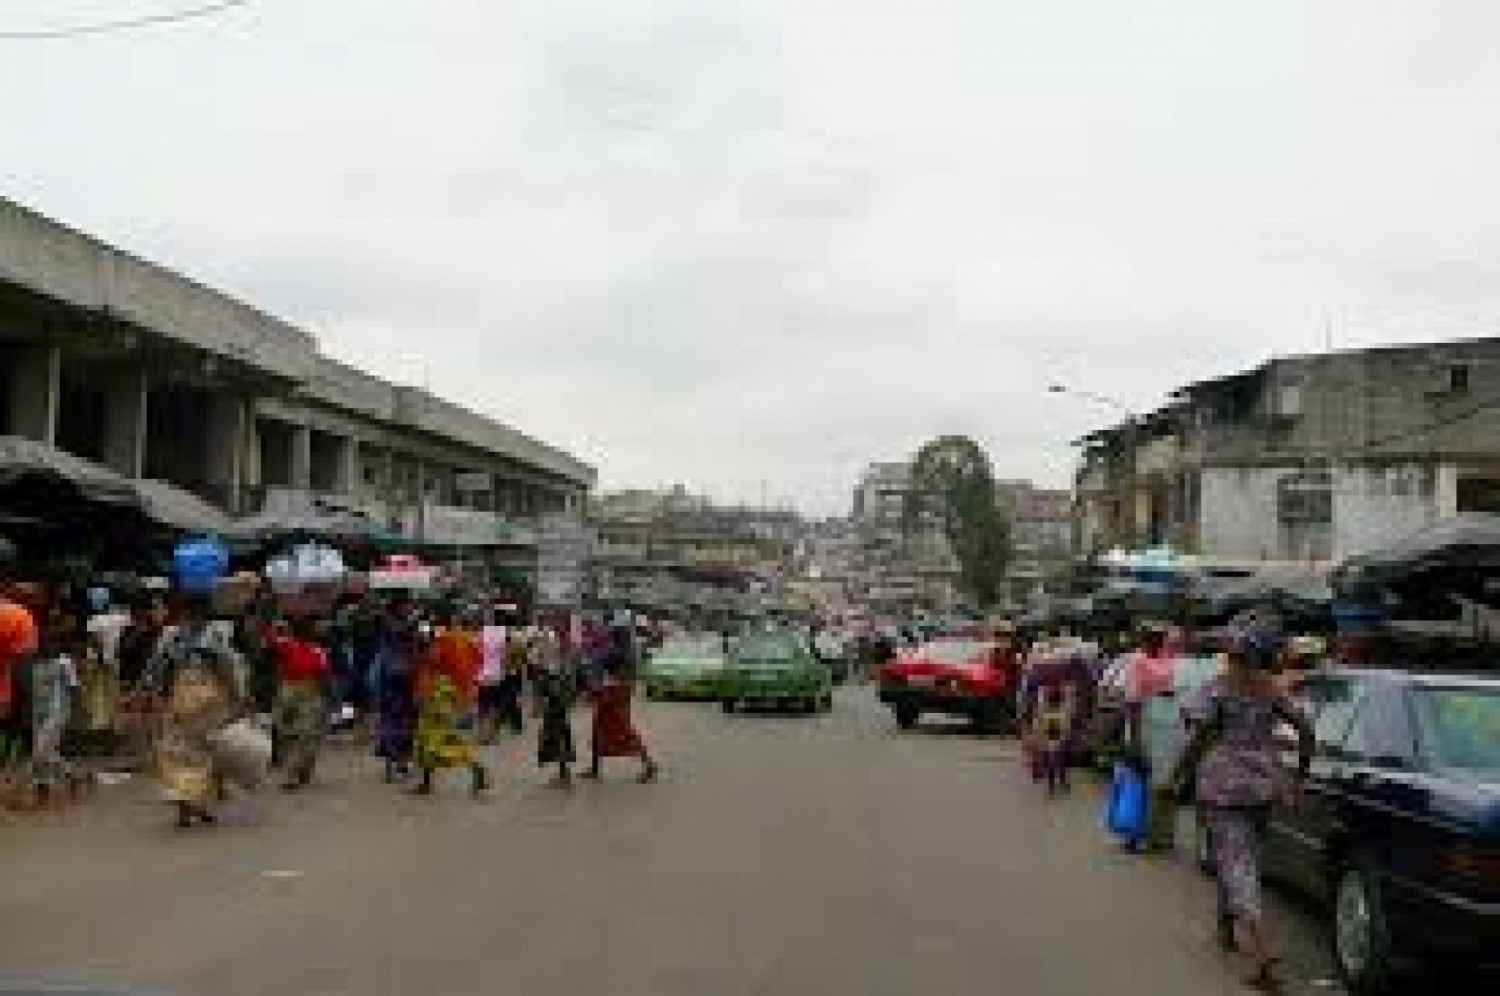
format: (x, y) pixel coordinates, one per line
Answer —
(751, 245)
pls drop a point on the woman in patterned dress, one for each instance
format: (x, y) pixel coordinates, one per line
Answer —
(614, 733)
(1232, 762)
(203, 697)
(448, 691)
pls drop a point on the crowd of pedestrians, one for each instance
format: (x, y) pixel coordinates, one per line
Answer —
(210, 699)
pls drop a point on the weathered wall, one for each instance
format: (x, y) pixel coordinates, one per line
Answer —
(68, 266)
(1237, 512)
(1391, 404)
(1373, 505)
(64, 265)
(342, 386)
(424, 411)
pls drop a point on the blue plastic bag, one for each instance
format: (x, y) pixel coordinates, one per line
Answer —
(1126, 812)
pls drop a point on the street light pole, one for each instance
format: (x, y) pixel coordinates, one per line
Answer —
(1131, 420)
(1101, 399)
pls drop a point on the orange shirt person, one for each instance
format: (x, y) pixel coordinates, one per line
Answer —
(457, 654)
(18, 639)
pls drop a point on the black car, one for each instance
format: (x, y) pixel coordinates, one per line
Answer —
(1399, 828)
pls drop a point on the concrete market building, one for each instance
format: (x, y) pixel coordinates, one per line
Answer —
(136, 367)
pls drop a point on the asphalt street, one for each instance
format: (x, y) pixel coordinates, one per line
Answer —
(825, 855)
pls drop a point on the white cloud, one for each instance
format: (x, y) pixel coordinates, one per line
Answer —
(744, 241)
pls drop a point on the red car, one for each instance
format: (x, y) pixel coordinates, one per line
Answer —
(955, 677)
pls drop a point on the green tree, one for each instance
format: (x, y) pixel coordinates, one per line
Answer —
(952, 485)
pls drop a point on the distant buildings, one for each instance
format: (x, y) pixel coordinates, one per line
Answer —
(881, 494)
(1306, 458)
(892, 569)
(673, 550)
(1041, 538)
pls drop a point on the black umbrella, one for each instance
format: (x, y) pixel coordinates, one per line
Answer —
(1426, 574)
(1469, 540)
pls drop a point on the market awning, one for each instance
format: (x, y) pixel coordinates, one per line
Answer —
(313, 522)
(1308, 586)
(1289, 591)
(30, 469)
(178, 508)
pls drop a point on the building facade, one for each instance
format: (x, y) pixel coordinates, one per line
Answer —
(1041, 538)
(1305, 458)
(154, 375)
(897, 569)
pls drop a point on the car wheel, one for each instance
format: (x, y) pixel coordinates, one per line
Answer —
(990, 719)
(1360, 933)
(825, 704)
(906, 716)
(727, 705)
(652, 693)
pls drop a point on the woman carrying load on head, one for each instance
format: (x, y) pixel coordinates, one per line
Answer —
(201, 686)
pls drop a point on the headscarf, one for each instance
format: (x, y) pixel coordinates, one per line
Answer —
(619, 659)
(1255, 641)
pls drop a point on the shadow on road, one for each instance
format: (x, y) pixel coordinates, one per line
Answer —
(961, 728)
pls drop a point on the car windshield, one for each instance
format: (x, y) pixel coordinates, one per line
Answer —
(952, 653)
(766, 649)
(1460, 728)
(690, 645)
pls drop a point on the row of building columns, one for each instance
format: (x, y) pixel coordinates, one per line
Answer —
(231, 457)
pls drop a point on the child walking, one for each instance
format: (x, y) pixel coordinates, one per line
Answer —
(1053, 731)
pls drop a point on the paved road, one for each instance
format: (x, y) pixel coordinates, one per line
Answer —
(778, 855)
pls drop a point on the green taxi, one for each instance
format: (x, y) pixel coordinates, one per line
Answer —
(773, 667)
(685, 666)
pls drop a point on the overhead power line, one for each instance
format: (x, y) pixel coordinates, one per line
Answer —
(125, 24)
